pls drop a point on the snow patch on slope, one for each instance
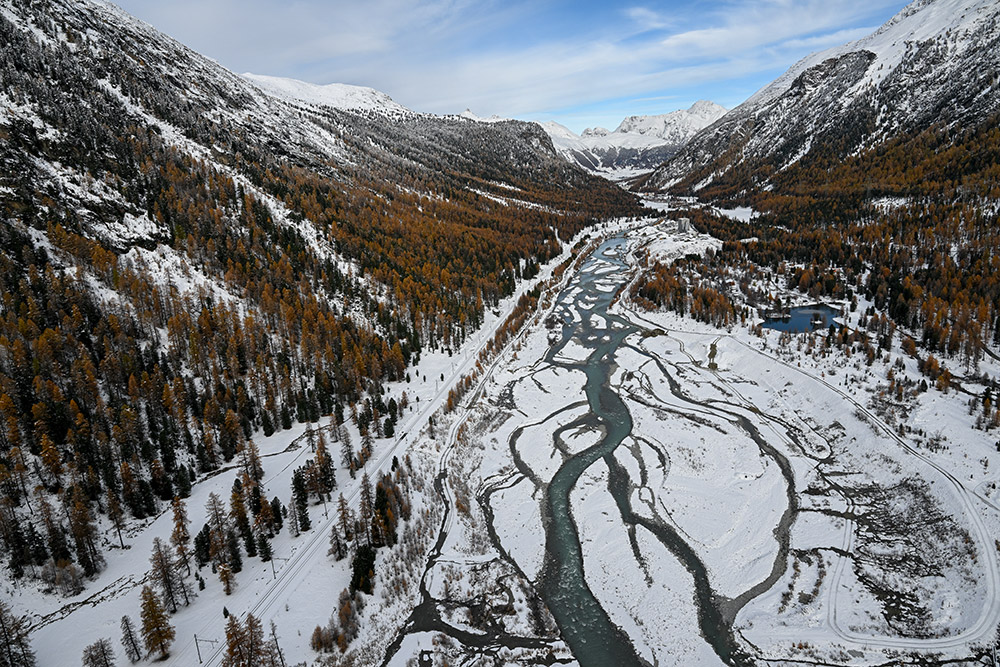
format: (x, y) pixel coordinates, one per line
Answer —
(470, 115)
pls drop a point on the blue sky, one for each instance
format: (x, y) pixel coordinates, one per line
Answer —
(581, 63)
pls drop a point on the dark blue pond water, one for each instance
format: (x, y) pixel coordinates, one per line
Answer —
(804, 318)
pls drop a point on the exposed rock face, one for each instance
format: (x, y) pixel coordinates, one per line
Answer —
(934, 62)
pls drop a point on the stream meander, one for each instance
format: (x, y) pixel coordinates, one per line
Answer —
(589, 341)
(585, 625)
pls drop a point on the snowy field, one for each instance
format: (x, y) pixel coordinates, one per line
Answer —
(871, 544)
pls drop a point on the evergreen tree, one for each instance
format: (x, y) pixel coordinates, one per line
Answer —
(235, 558)
(99, 654)
(346, 450)
(157, 633)
(182, 482)
(239, 515)
(202, 547)
(367, 442)
(180, 537)
(365, 507)
(250, 545)
(337, 548)
(277, 514)
(264, 548)
(15, 648)
(363, 569)
(301, 494)
(130, 641)
(164, 574)
(324, 466)
(14, 538)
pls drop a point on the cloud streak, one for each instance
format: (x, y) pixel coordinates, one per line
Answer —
(525, 59)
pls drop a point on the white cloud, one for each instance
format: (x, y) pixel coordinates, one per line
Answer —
(283, 37)
(648, 19)
(771, 23)
(512, 58)
(750, 37)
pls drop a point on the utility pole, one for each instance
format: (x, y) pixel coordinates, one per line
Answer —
(198, 648)
(274, 558)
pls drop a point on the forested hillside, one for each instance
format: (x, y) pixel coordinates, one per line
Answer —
(873, 170)
(186, 260)
(910, 224)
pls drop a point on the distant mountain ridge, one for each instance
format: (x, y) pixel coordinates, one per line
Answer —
(677, 126)
(333, 95)
(639, 143)
(936, 61)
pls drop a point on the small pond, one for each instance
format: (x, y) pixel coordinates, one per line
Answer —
(804, 318)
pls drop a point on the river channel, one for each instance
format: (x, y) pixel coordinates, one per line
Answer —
(585, 625)
(582, 312)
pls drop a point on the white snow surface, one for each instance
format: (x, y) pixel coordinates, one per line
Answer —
(335, 95)
(470, 115)
(694, 470)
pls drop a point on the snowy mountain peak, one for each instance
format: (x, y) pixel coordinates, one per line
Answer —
(558, 132)
(471, 115)
(334, 95)
(676, 126)
(640, 143)
(934, 62)
(914, 26)
(707, 109)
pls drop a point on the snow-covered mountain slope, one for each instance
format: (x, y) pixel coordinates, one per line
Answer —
(333, 95)
(468, 114)
(106, 63)
(676, 127)
(640, 143)
(936, 61)
(188, 261)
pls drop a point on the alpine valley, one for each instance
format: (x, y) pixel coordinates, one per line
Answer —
(638, 145)
(291, 374)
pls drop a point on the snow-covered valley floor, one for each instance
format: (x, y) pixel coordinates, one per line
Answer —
(826, 535)
(762, 503)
